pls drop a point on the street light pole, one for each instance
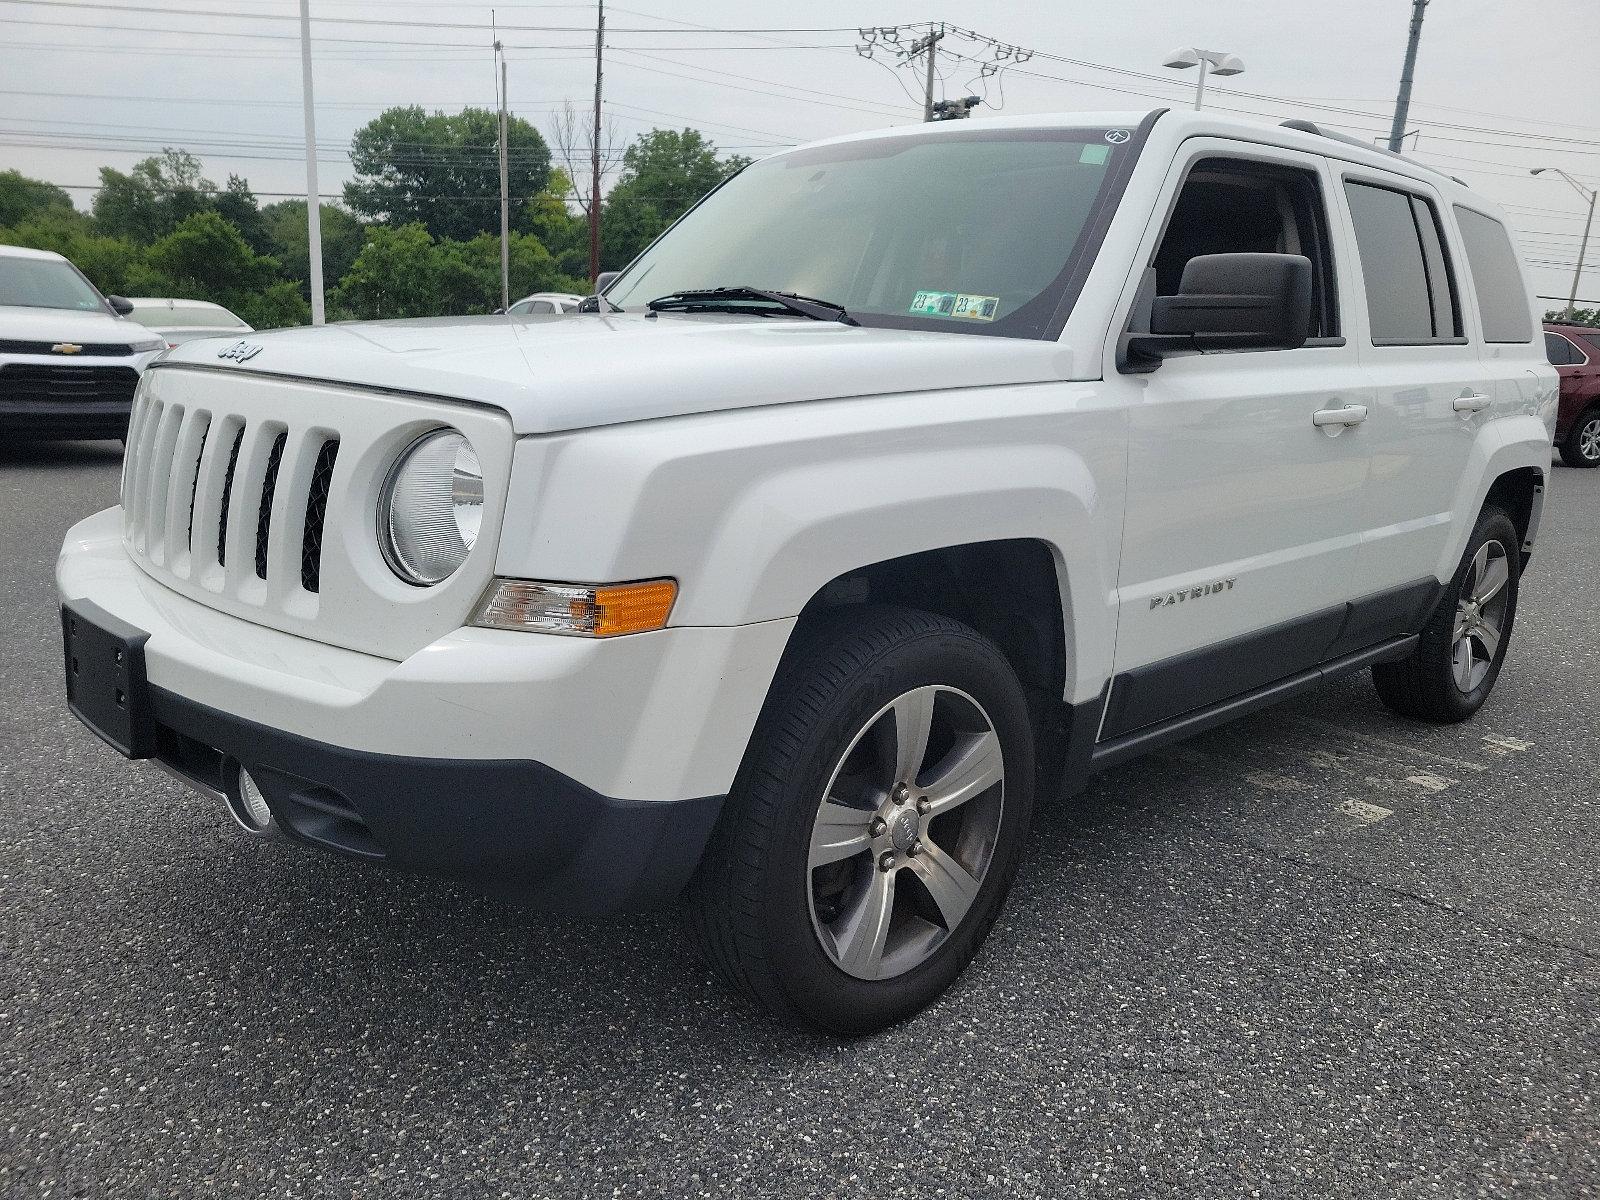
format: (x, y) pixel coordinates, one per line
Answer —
(1583, 246)
(1214, 62)
(313, 197)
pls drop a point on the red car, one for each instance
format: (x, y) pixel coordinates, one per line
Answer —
(1574, 351)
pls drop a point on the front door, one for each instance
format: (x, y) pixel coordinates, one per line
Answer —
(1243, 512)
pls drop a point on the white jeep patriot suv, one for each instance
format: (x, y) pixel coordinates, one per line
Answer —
(910, 476)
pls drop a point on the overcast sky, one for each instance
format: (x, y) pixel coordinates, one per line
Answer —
(1502, 85)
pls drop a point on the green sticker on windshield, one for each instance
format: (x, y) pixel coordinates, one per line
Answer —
(955, 304)
(1094, 155)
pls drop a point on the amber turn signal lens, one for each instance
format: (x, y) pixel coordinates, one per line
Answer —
(577, 610)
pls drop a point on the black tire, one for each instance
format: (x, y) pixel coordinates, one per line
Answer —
(1425, 685)
(1582, 445)
(750, 904)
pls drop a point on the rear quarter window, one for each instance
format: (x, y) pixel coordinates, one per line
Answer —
(1496, 278)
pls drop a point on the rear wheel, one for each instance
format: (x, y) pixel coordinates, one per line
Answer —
(876, 823)
(1456, 662)
(1582, 447)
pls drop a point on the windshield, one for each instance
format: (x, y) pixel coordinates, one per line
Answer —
(184, 316)
(45, 283)
(976, 231)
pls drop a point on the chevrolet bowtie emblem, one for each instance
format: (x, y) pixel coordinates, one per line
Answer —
(65, 348)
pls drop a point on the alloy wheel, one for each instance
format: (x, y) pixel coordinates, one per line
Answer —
(905, 833)
(1480, 616)
(1589, 440)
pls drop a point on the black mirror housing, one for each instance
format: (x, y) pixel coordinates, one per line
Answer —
(120, 305)
(1230, 302)
(604, 280)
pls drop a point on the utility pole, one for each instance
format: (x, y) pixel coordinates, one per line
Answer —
(1402, 102)
(505, 190)
(1590, 194)
(930, 44)
(313, 196)
(594, 149)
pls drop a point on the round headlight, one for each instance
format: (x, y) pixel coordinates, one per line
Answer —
(431, 508)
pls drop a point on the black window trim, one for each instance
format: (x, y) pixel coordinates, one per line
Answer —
(1259, 155)
(1388, 183)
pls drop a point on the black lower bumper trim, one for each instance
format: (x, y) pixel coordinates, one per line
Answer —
(510, 823)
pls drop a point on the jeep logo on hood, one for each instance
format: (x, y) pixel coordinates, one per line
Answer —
(240, 352)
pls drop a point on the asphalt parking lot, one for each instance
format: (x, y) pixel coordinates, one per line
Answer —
(1323, 952)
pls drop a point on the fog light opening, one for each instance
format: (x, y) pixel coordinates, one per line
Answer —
(248, 805)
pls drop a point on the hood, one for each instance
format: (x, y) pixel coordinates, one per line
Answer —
(572, 372)
(67, 325)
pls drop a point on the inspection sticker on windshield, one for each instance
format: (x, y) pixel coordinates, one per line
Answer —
(955, 304)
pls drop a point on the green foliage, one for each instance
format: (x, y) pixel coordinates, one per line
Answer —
(154, 199)
(405, 273)
(394, 275)
(664, 172)
(289, 241)
(110, 263)
(164, 229)
(23, 199)
(1580, 316)
(441, 170)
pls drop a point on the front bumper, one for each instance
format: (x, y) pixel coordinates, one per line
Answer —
(514, 824)
(529, 758)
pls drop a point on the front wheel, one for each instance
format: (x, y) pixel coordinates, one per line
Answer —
(1582, 447)
(1457, 660)
(876, 823)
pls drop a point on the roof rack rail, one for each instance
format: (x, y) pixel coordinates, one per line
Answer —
(1313, 128)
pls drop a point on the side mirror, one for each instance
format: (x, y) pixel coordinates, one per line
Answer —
(604, 280)
(120, 305)
(1229, 302)
(499, 312)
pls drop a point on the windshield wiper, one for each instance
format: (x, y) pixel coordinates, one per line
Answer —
(720, 298)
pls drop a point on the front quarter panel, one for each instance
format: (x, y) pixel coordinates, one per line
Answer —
(754, 512)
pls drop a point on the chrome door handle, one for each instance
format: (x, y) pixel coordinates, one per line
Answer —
(1470, 403)
(1350, 414)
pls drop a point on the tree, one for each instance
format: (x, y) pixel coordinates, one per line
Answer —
(289, 241)
(238, 205)
(564, 234)
(442, 171)
(1580, 316)
(395, 275)
(23, 199)
(572, 135)
(154, 199)
(663, 173)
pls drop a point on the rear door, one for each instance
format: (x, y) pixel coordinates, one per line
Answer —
(1243, 515)
(1428, 382)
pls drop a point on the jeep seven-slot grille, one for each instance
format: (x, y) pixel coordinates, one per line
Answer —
(264, 512)
(316, 514)
(188, 468)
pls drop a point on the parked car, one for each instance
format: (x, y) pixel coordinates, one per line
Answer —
(179, 321)
(860, 519)
(1574, 350)
(544, 303)
(69, 358)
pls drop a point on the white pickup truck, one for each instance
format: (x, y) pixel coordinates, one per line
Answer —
(910, 477)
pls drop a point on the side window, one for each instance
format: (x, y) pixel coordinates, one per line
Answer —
(1502, 296)
(541, 306)
(1230, 206)
(1411, 296)
(1558, 350)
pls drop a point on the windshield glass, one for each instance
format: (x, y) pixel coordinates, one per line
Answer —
(184, 316)
(976, 231)
(45, 283)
